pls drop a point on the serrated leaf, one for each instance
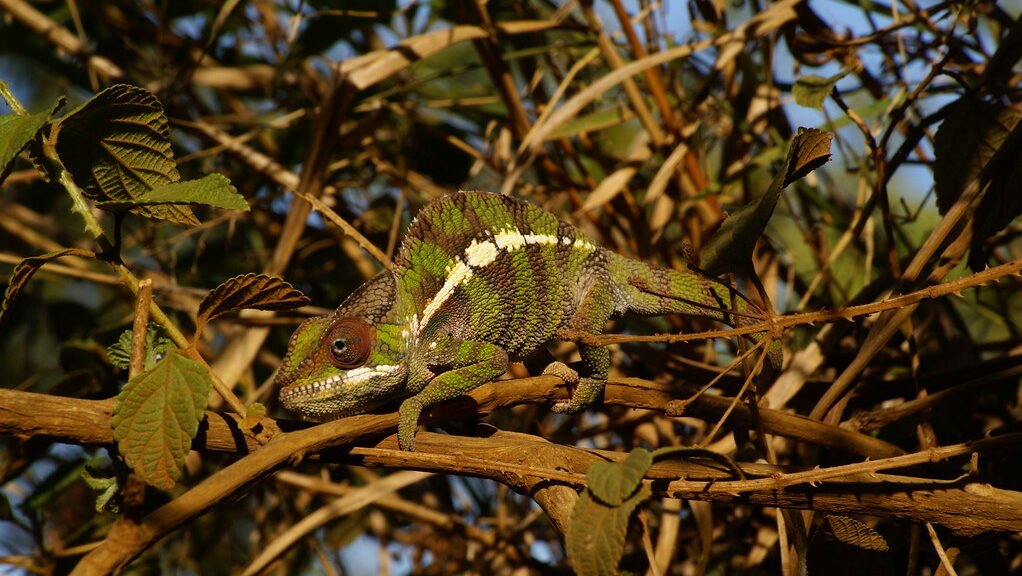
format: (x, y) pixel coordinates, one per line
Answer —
(731, 246)
(811, 91)
(855, 533)
(614, 482)
(157, 343)
(973, 132)
(117, 146)
(212, 190)
(24, 271)
(17, 131)
(257, 291)
(596, 535)
(809, 150)
(156, 416)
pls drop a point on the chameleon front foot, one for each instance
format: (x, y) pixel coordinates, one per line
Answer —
(586, 390)
(408, 421)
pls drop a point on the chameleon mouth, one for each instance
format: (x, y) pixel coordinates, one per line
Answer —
(345, 379)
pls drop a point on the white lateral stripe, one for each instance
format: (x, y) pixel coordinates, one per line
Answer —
(456, 275)
(509, 240)
(479, 255)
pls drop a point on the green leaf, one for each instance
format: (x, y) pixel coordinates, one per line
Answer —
(1002, 202)
(212, 190)
(730, 248)
(106, 488)
(254, 414)
(592, 122)
(811, 91)
(614, 482)
(596, 534)
(156, 344)
(856, 533)
(973, 132)
(156, 416)
(17, 131)
(24, 271)
(117, 146)
(965, 141)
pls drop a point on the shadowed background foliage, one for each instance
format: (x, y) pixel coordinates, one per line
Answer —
(378, 107)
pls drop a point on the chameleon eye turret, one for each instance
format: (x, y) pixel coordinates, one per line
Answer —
(351, 345)
(480, 279)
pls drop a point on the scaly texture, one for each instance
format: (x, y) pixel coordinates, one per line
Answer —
(480, 278)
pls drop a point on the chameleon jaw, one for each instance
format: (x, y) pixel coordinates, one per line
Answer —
(344, 394)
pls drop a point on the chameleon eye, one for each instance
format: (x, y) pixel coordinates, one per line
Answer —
(350, 342)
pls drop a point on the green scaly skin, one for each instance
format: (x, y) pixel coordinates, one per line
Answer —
(480, 279)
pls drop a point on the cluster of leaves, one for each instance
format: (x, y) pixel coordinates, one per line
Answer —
(116, 149)
(159, 410)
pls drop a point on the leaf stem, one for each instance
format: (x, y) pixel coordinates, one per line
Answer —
(11, 99)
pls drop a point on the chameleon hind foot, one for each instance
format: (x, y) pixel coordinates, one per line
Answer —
(562, 371)
(586, 392)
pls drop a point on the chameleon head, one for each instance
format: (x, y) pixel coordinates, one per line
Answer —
(344, 363)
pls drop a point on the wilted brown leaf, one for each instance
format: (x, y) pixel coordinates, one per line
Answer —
(256, 291)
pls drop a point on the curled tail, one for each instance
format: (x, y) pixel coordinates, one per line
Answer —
(650, 290)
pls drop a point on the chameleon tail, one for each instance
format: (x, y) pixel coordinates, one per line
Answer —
(652, 291)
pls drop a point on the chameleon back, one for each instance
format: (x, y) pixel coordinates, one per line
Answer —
(495, 269)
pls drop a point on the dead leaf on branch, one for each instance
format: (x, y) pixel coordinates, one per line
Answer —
(809, 151)
(27, 268)
(855, 533)
(256, 291)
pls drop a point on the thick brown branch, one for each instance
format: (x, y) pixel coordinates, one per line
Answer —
(88, 421)
(84, 420)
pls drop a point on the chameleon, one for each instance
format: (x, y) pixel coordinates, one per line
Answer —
(480, 279)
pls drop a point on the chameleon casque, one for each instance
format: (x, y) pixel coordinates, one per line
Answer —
(480, 279)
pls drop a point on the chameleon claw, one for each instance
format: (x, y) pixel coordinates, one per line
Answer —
(570, 377)
(584, 395)
(561, 407)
